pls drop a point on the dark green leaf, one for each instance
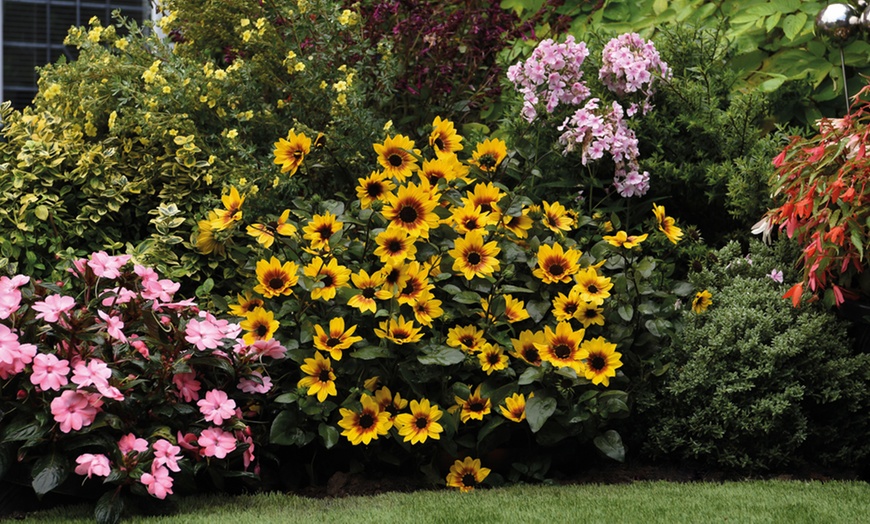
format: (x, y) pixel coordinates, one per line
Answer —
(646, 266)
(371, 352)
(683, 289)
(329, 435)
(467, 297)
(610, 443)
(531, 375)
(109, 508)
(441, 356)
(537, 309)
(6, 459)
(49, 472)
(625, 312)
(21, 429)
(538, 409)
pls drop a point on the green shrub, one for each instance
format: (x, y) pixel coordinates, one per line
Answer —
(756, 384)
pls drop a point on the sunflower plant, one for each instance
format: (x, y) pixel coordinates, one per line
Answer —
(443, 312)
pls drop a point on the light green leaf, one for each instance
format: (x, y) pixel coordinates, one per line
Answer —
(538, 410)
(328, 434)
(610, 443)
(794, 24)
(442, 356)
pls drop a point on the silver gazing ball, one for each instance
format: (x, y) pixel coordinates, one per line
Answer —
(864, 21)
(837, 24)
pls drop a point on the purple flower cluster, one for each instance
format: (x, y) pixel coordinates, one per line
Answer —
(597, 130)
(553, 75)
(630, 64)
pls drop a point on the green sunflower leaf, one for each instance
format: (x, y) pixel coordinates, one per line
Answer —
(441, 356)
(329, 435)
(610, 443)
(538, 410)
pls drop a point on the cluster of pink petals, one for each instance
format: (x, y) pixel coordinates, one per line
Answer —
(596, 131)
(74, 410)
(187, 385)
(630, 64)
(215, 442)
(14, 356)
(53, 306)
(260, 384)
(208, 332)
(158, 482)
(10, 295)
(107, 266)
(49, 372)
(89, 465)
(130, 443)
(96, 373)
(217, 407)
(166, 454)
(552, 75)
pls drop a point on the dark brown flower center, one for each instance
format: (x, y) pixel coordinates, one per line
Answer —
(276, 283)
(369, 292)
(466, 340)
(473, 258)
(597, 362)
(439, 144)
(556, 269)
(394, 246)
(422, 422)
(593, 289)
(325, 231)
(262, 330)
(562, 351)
(332, 341)
(468, 480)
(327, 281)
(487, 161)
(408, 215)
(324, 375)
(395, 160)
(476, 405)
(570, 308)
(493, 358)
(366, 421)
(591, 313)
(374, 189)
(531, 355)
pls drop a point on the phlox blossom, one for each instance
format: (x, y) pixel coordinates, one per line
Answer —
(53, 306)
(158, 482)
(215, 442)
(49, 372)
(776, 276)
(89, 464)
(216, 407)
(130, 442)
(74, 410)
(107, 266)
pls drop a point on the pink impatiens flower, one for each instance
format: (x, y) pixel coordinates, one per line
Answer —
(114, 326)
(107, 266)
(269, 348)
(188, 386)
(75, 410)
(204, 334)
(89, 464)
(217, 406)
(14, 356)
(53, 306)
(215, 442)
(165, 454)
(131, 442)
(49, 372)
(10, 295)
(251, 385)
(158, 482)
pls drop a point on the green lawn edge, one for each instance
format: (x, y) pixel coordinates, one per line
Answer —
(642, 502)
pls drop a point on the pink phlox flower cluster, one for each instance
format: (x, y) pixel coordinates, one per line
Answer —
(166, 454)
(74, 410)
(208, 333)
(630, 64)
(188, 386)
(96, 373)
(158, 482)
(14, 355)
(217, 407)
(53, 307)
(260, 384)
(552, 75)
(10, 295)
(114, 326)
(597, 131)
(130, 443)
(215, 442)
(89, 464)
(49, 372)
(105, 265)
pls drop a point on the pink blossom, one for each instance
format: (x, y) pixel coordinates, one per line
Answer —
(248, 456)
(118, 295)
(114, 326)
(188, 386)
(130, 442)
(107, 266)
(75, 410)
(249, 385)
(158, 482)
(49, 373)
(269, 348)
(187, 441)
(140, 347)
(215, 442)
(216, 406)
(89, 464)
(776, 276)
(51, 308)
(165, 454)
(79, 266)
(147, 274)
(203, 334)
(10, 295)
(159, 290)
(14, 356)
(91, 374)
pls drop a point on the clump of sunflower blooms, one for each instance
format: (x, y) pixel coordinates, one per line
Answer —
(443, 311)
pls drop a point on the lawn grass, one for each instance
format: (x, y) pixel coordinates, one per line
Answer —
(641, 502)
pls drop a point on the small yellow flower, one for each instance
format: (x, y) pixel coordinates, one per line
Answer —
(702, 301)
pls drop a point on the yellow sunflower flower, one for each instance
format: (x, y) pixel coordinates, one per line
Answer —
(395, 245)
(396, 158)
(275, 279)
(492, 358)
(556, 217)
(486, 196)
(467, 338)
(320, 229)
(265, 233)
(337, 339)
(518, 225)
(470, 218)
(421, 423)
(602, 360)
(290, 153)
(514, 309)
(412, 208)
(473, 257)
(369, 291)
(245, 303)
(413, 281)
(232, 211)
(593, 288)
(206, 242)
(515, 407)
(489, 154)
(702, 300)
(556, 264)
(366, 425)
(259, 324)
(321, 379)
(526, 347)
(331, 275)
(623, 239)
(667, 224)
(565, 307)
(443, 138)
(590, 314)
(445, 168)
(374, 187)
(475, 407)
(427, 308)
(399, 331)
(466, 474)
(389, 402)
(562, 347)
